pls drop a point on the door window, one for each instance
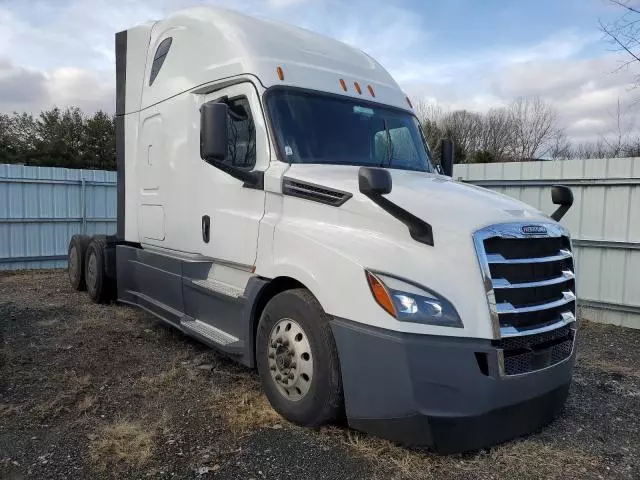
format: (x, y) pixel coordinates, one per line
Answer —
(242, 134)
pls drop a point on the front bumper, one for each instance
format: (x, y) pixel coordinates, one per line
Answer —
(443, 392)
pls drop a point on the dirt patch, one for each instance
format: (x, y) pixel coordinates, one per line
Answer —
(95, 391)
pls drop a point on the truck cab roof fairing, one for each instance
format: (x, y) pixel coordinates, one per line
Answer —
(211, 43)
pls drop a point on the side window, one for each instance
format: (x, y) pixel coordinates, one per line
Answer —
(242, 134)
(158, 58)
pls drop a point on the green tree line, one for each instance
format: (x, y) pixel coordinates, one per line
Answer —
(59, 138)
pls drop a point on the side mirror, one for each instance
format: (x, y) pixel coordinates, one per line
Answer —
(563, 196)
(446, 157)
(374, 181)
(213, 131)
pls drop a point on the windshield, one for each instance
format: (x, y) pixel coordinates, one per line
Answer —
(316, 128)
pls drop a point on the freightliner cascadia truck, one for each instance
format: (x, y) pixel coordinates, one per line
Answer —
(277, 200)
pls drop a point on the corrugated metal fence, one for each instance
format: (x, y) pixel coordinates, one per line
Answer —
(42, 207)
(604, 222)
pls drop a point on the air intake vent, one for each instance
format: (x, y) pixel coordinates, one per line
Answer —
(315, 193)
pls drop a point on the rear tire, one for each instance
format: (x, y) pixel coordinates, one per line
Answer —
(99, 287)
(75, 258)
(305, 355)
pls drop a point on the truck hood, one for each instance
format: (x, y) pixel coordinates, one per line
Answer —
(444, 203)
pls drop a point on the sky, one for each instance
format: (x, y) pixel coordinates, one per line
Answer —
(457, 53)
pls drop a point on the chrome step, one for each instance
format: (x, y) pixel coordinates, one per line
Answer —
(215, 335)
(218, 287)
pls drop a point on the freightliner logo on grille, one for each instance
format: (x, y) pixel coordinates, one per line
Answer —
(533, 230)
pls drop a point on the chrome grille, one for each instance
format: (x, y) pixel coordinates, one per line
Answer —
(531, 291)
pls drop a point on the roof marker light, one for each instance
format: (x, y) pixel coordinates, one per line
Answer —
(358, 89)
(370, 88)
(343, 84)
(280, 73)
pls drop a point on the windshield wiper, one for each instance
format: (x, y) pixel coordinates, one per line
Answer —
(390, 147)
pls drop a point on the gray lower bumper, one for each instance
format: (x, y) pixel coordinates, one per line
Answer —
(443, 392)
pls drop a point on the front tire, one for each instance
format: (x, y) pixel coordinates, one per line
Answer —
(298, 360)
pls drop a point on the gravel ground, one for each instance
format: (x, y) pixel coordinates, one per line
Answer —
(92, 391)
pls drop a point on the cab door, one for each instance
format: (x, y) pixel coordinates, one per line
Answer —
(231, 212)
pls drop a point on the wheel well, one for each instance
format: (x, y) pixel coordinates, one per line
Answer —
(273, 288)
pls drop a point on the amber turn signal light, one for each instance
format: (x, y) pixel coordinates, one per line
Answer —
(380, 293)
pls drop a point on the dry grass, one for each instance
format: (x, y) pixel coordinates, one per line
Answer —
(533, 459)
(612, 368)
(48, 323)
(73, 386)
(53, 407)
(121, 445)
(86, 403)
(164, 380)
(245, 408)
(525, 459)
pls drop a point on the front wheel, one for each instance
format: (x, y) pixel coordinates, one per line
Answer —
(298, 360)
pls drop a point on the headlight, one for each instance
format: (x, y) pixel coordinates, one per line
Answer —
(409, 302)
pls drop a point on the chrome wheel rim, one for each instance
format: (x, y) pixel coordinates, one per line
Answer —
(290, 360)
(92, 269)
(73, 263)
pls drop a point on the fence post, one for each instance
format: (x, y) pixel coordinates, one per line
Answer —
(84, 204)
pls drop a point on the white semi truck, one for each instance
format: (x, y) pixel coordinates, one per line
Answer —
(277, 201)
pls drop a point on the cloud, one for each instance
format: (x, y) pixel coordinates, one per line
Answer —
(23, 89)
(19, 85)
(61, 52)
(284, 3)
(585, 91)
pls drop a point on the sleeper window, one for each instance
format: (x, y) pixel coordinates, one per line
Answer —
(158, 59)
(242, 134)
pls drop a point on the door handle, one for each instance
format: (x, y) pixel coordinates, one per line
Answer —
(206, 228)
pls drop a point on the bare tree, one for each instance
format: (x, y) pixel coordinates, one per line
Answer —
(525, 130)
(534, 124)
(561, 148)
(463, 128)
(497, 134)
(624, 123)
(624, 32)
(430, 116)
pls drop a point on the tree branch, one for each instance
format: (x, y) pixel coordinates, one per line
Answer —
(624, 5)
(615, 38)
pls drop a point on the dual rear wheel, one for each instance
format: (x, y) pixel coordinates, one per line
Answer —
(87, 267)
